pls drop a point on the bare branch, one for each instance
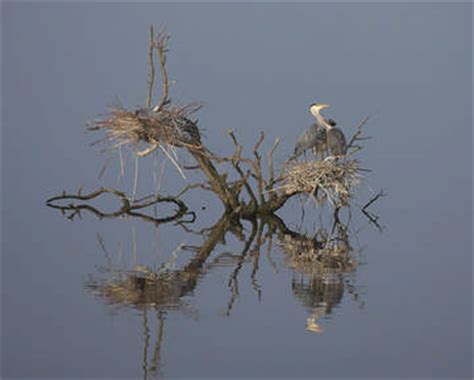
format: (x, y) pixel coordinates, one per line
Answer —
(258, 143)
(154, 146)
(235, 163)
(152, 68)
(258, 168)
(358, 132)
(232, 136)
(271, 172)
(170, 157)
(127, 208)
(161, 44)
(374, 219)
(217, 181)
(191, 186)
(380, 194)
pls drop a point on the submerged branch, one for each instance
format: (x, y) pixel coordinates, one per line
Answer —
(128, 208)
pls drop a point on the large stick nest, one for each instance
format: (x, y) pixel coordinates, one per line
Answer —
(170, 126)
(326, 179)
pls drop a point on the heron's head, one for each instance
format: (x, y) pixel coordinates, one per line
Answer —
(316, 108)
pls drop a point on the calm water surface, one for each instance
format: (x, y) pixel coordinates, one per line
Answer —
(234, 301)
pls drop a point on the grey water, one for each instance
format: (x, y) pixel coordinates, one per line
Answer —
(401, 309)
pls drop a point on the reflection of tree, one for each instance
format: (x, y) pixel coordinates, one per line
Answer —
(321, 263)
(147, 290)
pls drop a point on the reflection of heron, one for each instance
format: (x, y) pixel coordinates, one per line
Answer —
(335, 139)
(319, 293)
(313, 138)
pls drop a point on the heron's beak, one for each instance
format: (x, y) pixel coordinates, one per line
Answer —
(323, 106)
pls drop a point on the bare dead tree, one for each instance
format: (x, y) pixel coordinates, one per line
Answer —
(256, 192)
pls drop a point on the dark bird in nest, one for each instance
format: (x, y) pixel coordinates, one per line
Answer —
(169, 125)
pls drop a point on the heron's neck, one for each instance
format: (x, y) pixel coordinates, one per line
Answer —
(321, 120)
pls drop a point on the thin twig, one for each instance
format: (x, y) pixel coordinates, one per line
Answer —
(235, 162)
(151, 80)
(153, 146)
(380, 194)
(122, 165)
(374, 219)
(135, 179)
(161, 44)
(358, 132)
(173, 161)
(258, 168)
(191, 186)
(271, 172)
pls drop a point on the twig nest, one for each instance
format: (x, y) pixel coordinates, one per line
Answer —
(326, 179)
(170, 126)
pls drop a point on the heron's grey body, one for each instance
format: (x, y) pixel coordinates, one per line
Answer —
(321, 136)
(313, 138)
(336, 142)
(335, 139)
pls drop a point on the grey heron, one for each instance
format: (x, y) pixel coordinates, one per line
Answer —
(335, 139)
(315, 138)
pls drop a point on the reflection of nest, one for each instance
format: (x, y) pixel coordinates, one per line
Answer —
(169, 126)
(322, 264)
(142, 287)
(312, 257)
(324, 179)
